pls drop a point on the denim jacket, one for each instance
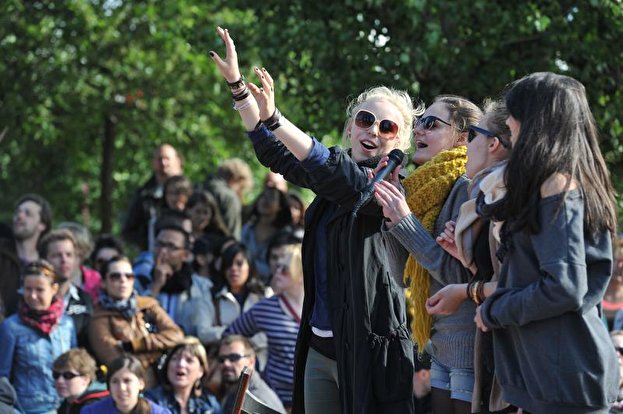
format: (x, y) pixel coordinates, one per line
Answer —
(206, 404)
(26, 357)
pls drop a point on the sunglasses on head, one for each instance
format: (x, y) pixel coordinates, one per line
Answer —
(430, 122)
(473, 131)
(387, 129)
(231, 357)
(68, 375)
(117, 276)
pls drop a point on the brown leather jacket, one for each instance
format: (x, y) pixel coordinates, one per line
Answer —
(150, 332)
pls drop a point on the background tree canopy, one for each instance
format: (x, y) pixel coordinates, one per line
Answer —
(90, 87)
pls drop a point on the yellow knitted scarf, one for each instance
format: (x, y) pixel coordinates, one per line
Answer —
(427, 189)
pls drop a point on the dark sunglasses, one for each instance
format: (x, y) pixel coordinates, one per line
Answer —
(619, 350)
(231, 357)
(430, 122)
(387, 129)
(117, 276)
(474, 130)
(68, 375)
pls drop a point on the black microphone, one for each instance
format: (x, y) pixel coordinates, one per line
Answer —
(396, 157)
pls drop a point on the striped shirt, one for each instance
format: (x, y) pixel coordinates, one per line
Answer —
(281, 330)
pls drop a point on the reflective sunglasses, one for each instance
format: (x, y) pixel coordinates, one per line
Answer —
(115, 276)
(430, 122)
(473, 131)
(387, 129)
(231, 357)
(68, 375)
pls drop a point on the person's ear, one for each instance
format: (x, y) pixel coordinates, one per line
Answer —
(141, 384)
(349, 128)
(55, 288)
(461, 139)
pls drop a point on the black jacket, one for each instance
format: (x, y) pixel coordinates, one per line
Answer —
(373, 346)
(10, 277)
(136, 225)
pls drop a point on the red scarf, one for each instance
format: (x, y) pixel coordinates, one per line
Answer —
(43, 321)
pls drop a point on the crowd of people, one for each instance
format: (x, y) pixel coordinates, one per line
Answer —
(481, 282)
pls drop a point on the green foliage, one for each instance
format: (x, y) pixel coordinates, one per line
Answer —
(69, 66)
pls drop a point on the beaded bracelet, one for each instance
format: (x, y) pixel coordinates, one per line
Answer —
(480, 292)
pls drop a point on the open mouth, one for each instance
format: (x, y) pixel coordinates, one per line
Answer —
(180, 374)
(421, 144)
(369, 145)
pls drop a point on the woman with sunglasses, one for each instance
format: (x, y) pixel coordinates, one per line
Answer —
(124, 322)
(435, 193)
(75, 379)
(354, 354)
(559, 215)
(34, 337)
(472, 241)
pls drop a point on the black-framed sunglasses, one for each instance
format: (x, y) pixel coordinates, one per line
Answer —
(387, 129)
(231, 357)
(473, 131)
(118, 275)
(68, 375)
(430, 122)
(619, 350)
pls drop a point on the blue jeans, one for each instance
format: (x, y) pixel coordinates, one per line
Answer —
(459, 381)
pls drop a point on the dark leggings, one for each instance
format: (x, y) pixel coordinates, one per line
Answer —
(443, 404)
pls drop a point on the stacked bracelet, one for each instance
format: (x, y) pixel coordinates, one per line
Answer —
(237, 84)
(273, 123)
(475, 291)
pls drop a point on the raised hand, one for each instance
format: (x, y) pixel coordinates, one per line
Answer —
(228, 66)
(265, 96)
(392, 201)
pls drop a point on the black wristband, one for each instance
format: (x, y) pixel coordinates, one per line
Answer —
(237, 84)
(244, 94)
(272, 123)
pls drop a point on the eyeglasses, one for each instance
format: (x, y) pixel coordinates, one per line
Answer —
(473, 131)
(387, 129)
(168, 246)
(118, 275)
(619, 350)
(430, 122)
(68, 375)
(231, 357)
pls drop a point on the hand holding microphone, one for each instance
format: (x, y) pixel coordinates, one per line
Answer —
(395, 158)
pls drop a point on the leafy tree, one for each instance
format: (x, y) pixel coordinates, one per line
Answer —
(90, 87)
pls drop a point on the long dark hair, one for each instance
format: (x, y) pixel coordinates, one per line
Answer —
(283, 217)
(253, 284)
(216, 224)
(557, 135)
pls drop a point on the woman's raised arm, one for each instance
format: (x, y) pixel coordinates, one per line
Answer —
(258, 103)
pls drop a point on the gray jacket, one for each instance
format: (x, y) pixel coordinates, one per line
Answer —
(452, 336)
(552, 351)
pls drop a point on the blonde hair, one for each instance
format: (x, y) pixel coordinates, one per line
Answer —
(77, 359)
(237, 170)
(400, 99)
(463, 112)
(296, 261)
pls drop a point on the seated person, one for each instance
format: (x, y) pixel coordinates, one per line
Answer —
(278, 317)
(182, 376)
(33, 338)
(234, 354)
(74, 374)
(124, 322)
(126, 380)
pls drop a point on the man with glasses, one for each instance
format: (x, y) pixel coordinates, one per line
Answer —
(236, 352)
(184, 295)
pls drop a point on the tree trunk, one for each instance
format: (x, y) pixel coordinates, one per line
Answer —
(108, 154)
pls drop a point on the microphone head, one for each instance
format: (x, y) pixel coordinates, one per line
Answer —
(397, 156)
